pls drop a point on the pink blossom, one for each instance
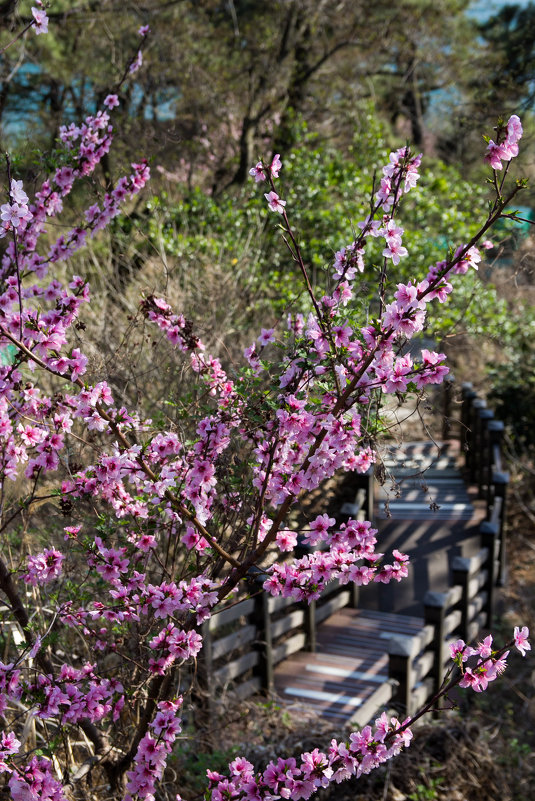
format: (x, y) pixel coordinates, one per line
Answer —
(286, 540)
(267, 335)
(395, 251)
(18, 195)
(521, 639)
(459, 649)
(514, 129)
(44, 567)
(158, 490)
(136, 63)
(472, 679)
(276, 165)
(274, 202)
(257, 172)
(111, 101)
(508, 148)
(484, 649)
(40, 24)
(13, 214)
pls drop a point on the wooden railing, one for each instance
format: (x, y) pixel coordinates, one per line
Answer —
(481, 441)
(245, 642)
(418, 663)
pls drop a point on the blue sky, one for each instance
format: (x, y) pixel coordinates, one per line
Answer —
(482, 9)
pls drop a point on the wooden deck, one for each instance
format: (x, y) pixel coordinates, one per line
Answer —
(430, 515)
(346, 680)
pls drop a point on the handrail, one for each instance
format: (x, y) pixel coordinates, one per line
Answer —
(245, 642)
(481, 439)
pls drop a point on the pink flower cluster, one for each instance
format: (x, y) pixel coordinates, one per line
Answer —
(349, 556)
(16, 212)
(36, 782)
(293, 779)
(9, 745)
(40, 19)
(44, 567)
(399, 177)
(153, 751)
(507, 146)
(490, 663)
(261, 173)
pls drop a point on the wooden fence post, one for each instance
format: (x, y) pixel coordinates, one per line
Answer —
(400, 668)
(365, 481)
(266, 651)
(495, 436)
(310, 625)
(264, 640)
(434, 614)
(467, 396)
(485, 418)
(202, 692)
(500, 483)
(461, 575)
(475, 439)
(447, 421)
(490, 539)
(300, 550)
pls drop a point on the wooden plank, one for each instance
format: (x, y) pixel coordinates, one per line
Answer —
(389, 619)
(289, 673)
(371, 707)
(347, 648)
(421, 693)
(473, 587)
(241, 609)
(338, 602)
(331, 588)
(225, 645)
(423, 666)
(477, 561)
(278, 603)
(287, 623)
(369, 637)
(290, 646)
(474, 628)
(475, 607)
(452, 621)
(248, 688)
(427, 635)
(345, 673)
(327, 695)
(322, 664)
(322, 695)
(236, 668)
(454, 595)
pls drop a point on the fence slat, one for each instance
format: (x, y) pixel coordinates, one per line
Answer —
(224, 645)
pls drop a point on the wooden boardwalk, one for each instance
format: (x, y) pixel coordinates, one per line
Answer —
(424, 509)
(346, 679)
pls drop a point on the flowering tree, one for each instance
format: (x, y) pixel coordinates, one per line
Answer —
(166, 523)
